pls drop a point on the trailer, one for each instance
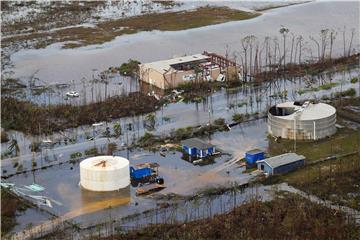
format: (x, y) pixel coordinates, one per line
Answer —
(149, 188)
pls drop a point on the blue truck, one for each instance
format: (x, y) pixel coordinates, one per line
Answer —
(140, 174)
(145, 173)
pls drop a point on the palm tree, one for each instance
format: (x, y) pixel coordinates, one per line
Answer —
(14, 147)
(284, 31)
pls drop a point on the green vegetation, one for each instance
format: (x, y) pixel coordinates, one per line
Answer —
(117, 130)
(130, 68)
(219, 122)
(108, 30)
(196, 91)
(91, 151)
(286, 217)
(27, 117)
(75, 155)
(335, 180)
(344, 141)
(326, 86)
(148, 140)
(350, 93)
(354, 80)
(237, 117)
(312, 68)
(10, 207)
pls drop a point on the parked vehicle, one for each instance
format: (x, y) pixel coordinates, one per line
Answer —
(72, 94)
(145, 173)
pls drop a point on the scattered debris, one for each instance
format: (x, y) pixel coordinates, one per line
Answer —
(149, 188)
(35, 187)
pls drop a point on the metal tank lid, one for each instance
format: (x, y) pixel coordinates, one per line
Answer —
(104, 163)
(307, 111)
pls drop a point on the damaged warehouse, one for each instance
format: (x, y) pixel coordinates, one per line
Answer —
(170, 73)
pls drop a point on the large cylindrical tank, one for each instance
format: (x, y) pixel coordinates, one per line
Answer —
(104, 173)
(308, 121)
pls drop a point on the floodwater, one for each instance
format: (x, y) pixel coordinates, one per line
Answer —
(73, 202)
(220, 104)
(55, 65)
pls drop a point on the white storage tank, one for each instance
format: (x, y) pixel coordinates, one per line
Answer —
(104, 173)
(302, 120)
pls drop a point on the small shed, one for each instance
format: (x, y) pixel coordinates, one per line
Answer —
(254, 155)
(282, 163)
(197, 148)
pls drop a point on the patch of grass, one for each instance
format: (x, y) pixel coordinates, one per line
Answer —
(344, 141)
(91, 151)
(347, 93)
(108, 30)
(75, 155)
(354, 80)
(328, 86)
(148, 140)
(10, 207)
(237, 117)
(336, 180)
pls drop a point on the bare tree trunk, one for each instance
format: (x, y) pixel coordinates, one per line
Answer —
(245, 46)
(242, 66)
(292, 47)
(332, 38)
(250, 60)
(256, 63)
(344, 40)
(300, 48)
(351, 40)
(266, 52)
(296, 49)
(275, 46)
(324, 38)
(317, 44)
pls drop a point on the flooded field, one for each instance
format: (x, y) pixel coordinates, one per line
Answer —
(70, 201)
(50, 72)
(55, 65)
(221, 104)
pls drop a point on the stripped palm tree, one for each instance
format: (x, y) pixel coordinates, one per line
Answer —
(14, 147)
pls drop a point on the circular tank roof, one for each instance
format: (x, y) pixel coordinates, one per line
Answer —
(104, 163)
(307, 111)
(104, 173)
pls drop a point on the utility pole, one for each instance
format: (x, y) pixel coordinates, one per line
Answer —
(295, 133)
(127, 139)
